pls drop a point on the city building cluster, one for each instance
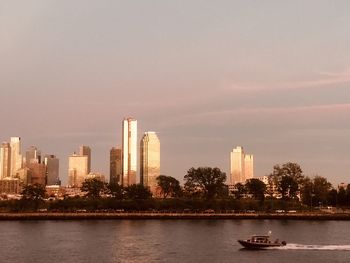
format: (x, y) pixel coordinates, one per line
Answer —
(18, 169)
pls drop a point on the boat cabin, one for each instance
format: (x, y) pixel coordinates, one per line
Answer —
(260, 239)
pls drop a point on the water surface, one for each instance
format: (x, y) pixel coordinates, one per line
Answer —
(170, 241)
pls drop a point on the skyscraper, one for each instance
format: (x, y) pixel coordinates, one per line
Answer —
(16, 156)
(52, 170)
(78, 169)
(5, 160)
(129, 151)
(116, 171)
(149, 160)
(33, 155)
(242, 166)
(248, 166)
(86, 151)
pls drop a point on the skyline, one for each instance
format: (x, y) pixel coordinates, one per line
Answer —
(273, 77)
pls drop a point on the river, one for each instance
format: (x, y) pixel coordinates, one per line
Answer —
(104, 241)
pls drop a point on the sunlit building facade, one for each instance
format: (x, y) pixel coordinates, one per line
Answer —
(242, 166)
(150, 160)
(248, 166)
(78, 169)
(5, 160)
(129, 142)
(16, 156)
(10, 185)
(116, 171)
(237, 166)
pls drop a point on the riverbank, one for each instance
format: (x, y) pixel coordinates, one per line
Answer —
(168, 216)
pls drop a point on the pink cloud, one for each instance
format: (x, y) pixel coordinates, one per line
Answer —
(325, 79)
(242, 112)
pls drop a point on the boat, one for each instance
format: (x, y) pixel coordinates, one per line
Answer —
(261, 242)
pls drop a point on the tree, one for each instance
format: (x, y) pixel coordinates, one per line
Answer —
(115, 190)
(288, 187)
(287, 178)
(342, 197)
(315, 191)
(240, 190)
(137, 192)
(205, 181)
(256, 188)
(321, 189)
(33, 192)
(93, 187)
(307, 191)
(169, 186)
(332, 198)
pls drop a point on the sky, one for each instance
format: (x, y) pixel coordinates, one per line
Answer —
(271, 76)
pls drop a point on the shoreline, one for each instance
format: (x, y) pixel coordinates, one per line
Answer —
(168, 216)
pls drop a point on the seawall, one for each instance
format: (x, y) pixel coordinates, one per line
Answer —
(171, 216)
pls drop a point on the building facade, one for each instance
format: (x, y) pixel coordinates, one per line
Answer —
(5, 160)
(86, 151)
(33, 155)
(77, 169)
(149, 160)
(16, 156)
(248, 166)
(129, 142)
(242, 166)
(37, 173)
(115, 167)
(52, 170)
(10, 186)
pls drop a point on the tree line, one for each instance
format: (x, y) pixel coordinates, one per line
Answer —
(204, 188)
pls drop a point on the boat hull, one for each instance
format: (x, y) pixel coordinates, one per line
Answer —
(255, 245)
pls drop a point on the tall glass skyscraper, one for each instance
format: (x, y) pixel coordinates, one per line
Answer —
(16, 156)
(129, 142)
(242, 166)
(150, 160)
(5, 160)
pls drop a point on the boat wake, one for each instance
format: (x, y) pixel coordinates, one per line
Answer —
(313, 247)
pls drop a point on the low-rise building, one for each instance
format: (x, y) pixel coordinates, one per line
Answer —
(10, 185)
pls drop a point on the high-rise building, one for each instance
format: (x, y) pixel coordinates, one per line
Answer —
(78, 169)
(33, 155)
(129, 151)
(116, 171)
(248, 166)
(86, 151)
(150, 160)
(52, 170)
(242, 166)
(5, 160)
(16, 156)
(36, 173)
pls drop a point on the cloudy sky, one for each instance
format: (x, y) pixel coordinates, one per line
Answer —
(272, 76)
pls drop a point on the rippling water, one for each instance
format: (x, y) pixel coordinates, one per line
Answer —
(171, 241)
